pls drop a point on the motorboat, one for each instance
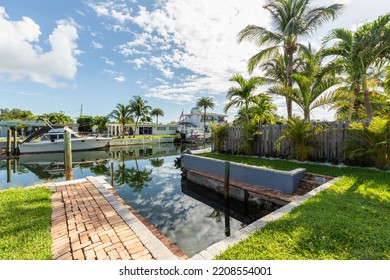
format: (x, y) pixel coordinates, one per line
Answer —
(51, 139)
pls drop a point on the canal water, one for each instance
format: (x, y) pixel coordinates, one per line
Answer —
(149, 179)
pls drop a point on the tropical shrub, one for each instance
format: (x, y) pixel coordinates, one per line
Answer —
(220, 132)
(249, 133)
(299, 134)
(371, 141)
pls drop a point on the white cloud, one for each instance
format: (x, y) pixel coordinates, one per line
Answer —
(117, 76)
(108, 61)
(21, 55)
(117, 10)
(97, 45)
(120, 78)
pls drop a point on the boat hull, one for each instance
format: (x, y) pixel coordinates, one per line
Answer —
(58, 146)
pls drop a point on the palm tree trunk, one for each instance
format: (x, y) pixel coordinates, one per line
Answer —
(350, 109)
(289, 83)
(306, 114)
(135, 128)
(367, 101)
(246, 112)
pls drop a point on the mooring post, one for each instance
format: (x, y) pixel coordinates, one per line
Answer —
(9, 136)
(112, 173)
(227, 178)
(15, 141)
(68, 156)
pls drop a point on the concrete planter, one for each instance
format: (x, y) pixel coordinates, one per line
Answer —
(284, 181)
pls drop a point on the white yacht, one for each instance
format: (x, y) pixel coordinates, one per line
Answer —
(51, 139)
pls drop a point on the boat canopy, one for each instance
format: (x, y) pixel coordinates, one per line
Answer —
(45, 130)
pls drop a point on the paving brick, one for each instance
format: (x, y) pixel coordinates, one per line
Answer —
(86, 226)
(101, 254)
(78, 255)
(90, 255)
(113, 254)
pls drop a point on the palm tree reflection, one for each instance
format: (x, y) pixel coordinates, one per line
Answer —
(157, 162)
(135, 178)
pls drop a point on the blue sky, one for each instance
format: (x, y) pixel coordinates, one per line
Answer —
(57, 55)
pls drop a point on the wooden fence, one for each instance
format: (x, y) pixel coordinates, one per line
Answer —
(328, 143)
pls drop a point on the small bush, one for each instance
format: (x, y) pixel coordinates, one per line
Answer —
(371, 142)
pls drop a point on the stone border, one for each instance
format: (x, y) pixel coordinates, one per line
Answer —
(158, 250)
(212, 251)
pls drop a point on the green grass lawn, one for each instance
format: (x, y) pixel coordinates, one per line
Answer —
(25, 216)
(350, 220)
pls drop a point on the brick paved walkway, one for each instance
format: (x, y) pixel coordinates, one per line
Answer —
(89, 223)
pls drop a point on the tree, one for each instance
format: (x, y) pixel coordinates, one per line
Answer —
(291, 19)
(139, 108)
(243, 94)
(205, 103)
(314, 88)
(157, 112)
(15, 114)
(56, 118)
(85, 123)
(101, 123)
(122, 114)
(355, 52)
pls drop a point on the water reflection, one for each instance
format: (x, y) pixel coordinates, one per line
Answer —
(134, 177)
(148, 179)
(33, 169)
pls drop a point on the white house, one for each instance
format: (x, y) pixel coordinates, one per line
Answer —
(195, 119)
(115, 129)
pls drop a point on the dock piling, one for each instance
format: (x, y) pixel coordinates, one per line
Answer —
(68, 156)
(227, 179)
(112, 172)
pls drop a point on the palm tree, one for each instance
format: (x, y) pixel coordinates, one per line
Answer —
(356, 52)
(56, 118)
(314, 89)
(139, 108)
(263, 110)
(122, 114)
(291, 19)
(205, 103)
(242, 95)
(157, 112)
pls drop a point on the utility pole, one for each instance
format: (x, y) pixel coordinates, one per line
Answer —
(81, 110)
